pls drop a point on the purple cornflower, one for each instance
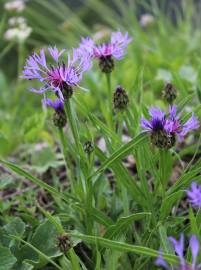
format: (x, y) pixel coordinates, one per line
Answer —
(194, 195)
(57, 76)
(105, 52)
(179, 250)
(57, 104)
(165, 128)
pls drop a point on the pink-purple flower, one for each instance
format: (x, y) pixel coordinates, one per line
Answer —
(105, 52)
(164, 128)
(57, 75)
(179, 250)
(194, 195)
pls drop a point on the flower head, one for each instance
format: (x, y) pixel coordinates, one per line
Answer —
(194, 195)
(58, 76)
(105, 52)
(165, 128)
(59, 117)
(57, 104)
(179, 250)
(16, 5)
(120, 98)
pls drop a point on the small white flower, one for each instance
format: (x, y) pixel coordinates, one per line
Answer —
(146, 20)
(18, 34)
(16, 5)
(17, 21)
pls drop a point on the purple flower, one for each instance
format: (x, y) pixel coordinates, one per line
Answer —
(167, 126)
(57, 76)
(115, 48)
(194, 195)
(179, 250)
(105, 52)
(55, 104)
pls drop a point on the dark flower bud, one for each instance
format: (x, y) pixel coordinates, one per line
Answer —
(64, 243)
(169, 93)
(59, 118)
(120, 99)
(162, 139)
(67, 91)
(106, 64)
(88, 147)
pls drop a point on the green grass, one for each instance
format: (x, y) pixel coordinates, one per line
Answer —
(116, 206)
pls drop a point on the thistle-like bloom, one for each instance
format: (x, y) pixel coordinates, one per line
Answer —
(179, 250)
(58, 76)
(165, 128)
(107, 51)
(57, 104)
(59, 117)
(194, 195)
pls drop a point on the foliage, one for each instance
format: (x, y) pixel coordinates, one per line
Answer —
(119, 203)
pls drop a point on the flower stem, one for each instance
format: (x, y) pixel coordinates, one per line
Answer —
(163, 161)
(108, 78)
(72, 123)
(65, 154)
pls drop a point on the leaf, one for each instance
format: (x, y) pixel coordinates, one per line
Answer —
(7, 260)
(45, 239)
(36, 250)
(45, 159)
(21, 172)
(124, 178)
(185, 180)
(6, 181)
(99, 216)
(121, 152)
(168, 203)
(15, 227)
(184, 102)
(122, 224)
(123, 247)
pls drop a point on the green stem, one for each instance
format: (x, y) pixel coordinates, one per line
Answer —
(108, 78)
(162, 170)
(72, 123)
(110, 99)
(20, 57)
(65, 154)
(120, 125)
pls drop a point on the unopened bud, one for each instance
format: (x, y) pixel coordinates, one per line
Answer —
(169, 93)
(106, 64)
(120, 98)
(67, 91)
(59, 118)
(162, 139)
(64, 243)
(88, 147)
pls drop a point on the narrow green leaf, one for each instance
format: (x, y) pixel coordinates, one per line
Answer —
(121, 152)
(168, 203)
(37, 181)
(123, 223)
(123, 247)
